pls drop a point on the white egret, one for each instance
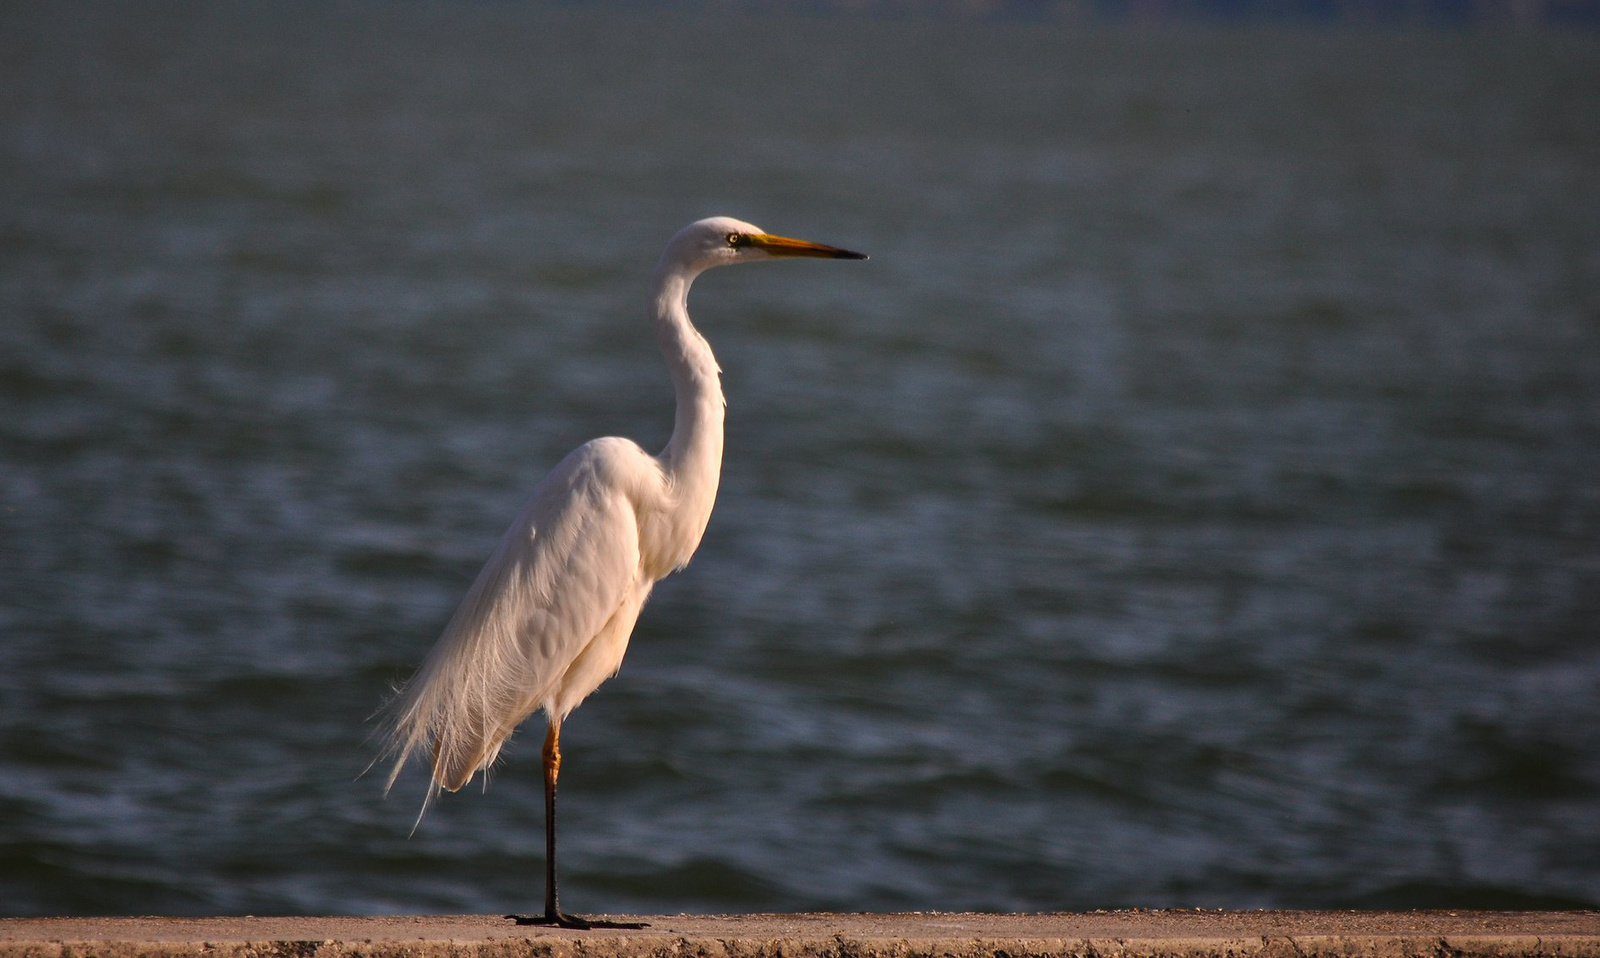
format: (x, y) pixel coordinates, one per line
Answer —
(548, 619)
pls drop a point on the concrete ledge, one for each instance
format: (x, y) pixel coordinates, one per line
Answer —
(1134, 933)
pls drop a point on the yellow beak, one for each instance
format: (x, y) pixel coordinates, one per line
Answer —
(784, 246)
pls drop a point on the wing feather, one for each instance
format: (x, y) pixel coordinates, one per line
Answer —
(558, 575)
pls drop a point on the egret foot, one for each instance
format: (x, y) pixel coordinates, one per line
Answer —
(563, 920)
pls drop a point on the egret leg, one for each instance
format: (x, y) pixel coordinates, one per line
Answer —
(552, 912)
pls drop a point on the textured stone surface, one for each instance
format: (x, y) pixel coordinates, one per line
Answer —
(1133, 933)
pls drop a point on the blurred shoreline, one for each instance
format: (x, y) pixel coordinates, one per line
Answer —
(1582, 15)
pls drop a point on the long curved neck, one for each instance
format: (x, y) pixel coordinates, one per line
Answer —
(693, 457)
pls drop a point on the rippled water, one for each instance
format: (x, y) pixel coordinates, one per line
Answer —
(1192, 502)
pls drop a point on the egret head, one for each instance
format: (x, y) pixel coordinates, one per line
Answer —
(723, 240)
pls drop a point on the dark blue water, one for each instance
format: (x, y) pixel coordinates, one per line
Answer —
(1193, 501)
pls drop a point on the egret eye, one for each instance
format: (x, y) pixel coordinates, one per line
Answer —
(735, 240)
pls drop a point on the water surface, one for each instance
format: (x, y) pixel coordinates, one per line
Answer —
(1191, 503)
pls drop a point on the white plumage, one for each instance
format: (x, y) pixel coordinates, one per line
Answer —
(549, 617)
